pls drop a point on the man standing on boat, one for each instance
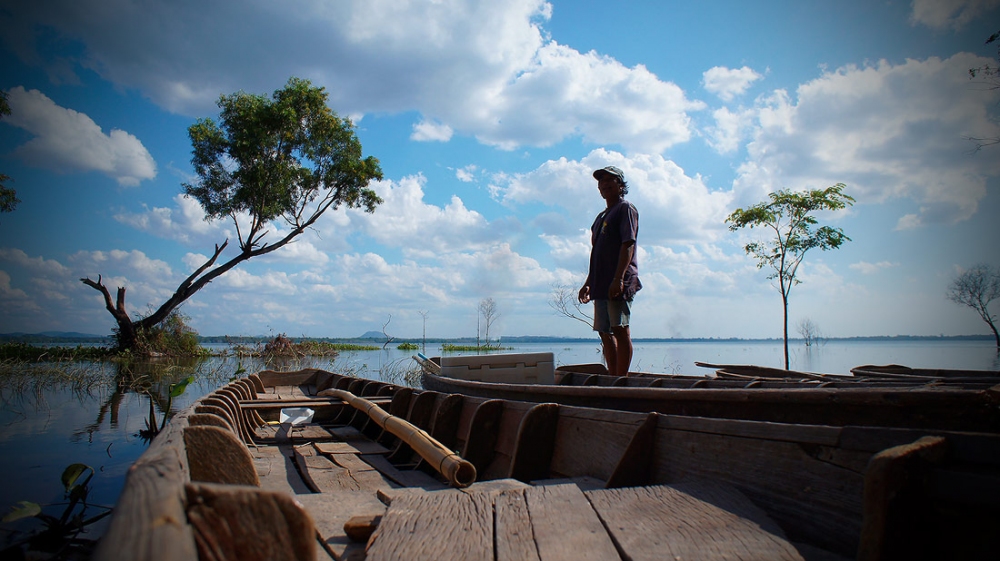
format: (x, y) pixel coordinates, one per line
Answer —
(613, 279)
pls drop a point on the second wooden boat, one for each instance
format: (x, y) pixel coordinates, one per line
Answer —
(812, 402)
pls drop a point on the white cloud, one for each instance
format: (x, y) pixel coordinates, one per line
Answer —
(728, 83)
(466, 174)
(866, 268)
(887, 131)
(684, 207)
(955, 14)
(479, 68)
(404, 220)
(66, 140)
(431, 131)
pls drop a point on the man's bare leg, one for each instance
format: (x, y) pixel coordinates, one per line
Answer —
(610, 352)
(623, 350)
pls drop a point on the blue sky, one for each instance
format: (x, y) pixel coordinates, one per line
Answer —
(488, 118)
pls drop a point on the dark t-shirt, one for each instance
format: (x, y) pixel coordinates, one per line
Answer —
(612, 228)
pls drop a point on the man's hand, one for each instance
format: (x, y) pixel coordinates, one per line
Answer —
(584, 295)
(616, 288)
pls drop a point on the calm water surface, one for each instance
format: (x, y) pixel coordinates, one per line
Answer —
(96, 414)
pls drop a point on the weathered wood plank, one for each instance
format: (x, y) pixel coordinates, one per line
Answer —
(354, 447)
(708, 521)
(405, 478)
(341, 472)
(439, 525)
(276, 470)
(330, 511)
(515, 540)
(565, 526)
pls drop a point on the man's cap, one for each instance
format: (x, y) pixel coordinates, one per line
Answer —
(610, 170)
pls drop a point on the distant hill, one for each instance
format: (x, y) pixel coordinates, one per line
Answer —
(54, 336)
(373, 335)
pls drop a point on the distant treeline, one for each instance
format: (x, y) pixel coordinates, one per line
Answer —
(83, 338)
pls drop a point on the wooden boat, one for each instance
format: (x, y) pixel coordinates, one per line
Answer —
(373, 476)
(925, 375)
(975, 408)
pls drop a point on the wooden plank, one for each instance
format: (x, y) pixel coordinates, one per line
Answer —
(438, 525)
(322, 475)
(703, 520)
(405, 478)
(565, 526)
(515, 538)
(330, 511)
(276, 470)
(355, 447)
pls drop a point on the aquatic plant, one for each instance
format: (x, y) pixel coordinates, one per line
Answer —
(60, 535)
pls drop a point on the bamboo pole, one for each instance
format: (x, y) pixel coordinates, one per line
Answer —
(460, 473)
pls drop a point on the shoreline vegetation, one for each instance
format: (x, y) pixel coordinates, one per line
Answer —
(61, 346)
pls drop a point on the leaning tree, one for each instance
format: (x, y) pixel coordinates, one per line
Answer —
(288, 157)
(976, 288)
(789, 216)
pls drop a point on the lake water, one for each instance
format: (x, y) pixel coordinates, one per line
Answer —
(96, 414)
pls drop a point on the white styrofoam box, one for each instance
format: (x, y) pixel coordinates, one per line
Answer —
(516, 368)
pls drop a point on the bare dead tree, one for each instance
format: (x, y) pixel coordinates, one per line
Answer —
(565, 302)
(388, 338)
(809, 332)
(490, 312)
(423, 343)
(976, 288)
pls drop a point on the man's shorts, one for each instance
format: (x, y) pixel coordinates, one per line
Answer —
(611, 313)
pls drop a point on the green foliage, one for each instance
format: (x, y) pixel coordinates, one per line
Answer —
(275, 157)
(18, 351)
(171, 337)
(789, 216)
(408, 347)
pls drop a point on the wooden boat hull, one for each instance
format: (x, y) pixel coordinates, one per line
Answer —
(554, 482)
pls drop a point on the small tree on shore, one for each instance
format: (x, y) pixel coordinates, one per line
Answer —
(976, 288)
(789, 215)
(289, 157)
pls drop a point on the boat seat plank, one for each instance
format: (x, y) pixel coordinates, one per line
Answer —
(438, 525)
(564, 525)
(276, 470)
(696, 520)
(331, 510)
(405, 478)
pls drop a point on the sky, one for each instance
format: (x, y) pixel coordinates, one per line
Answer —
(488, 118)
